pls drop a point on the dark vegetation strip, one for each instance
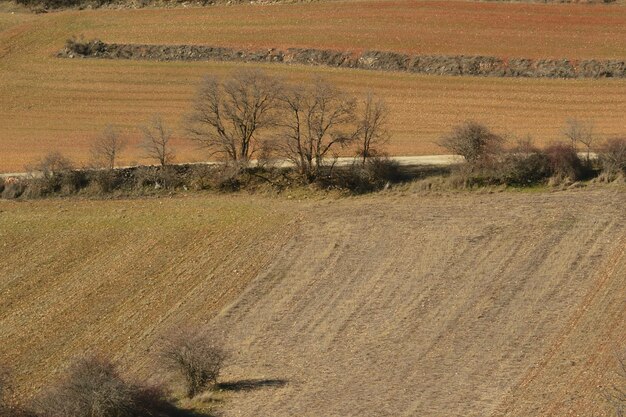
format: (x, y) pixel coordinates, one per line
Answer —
(487, 66)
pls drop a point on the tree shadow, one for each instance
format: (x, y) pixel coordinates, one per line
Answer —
(251, 384)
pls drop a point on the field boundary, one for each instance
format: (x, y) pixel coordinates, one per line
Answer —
(454, 65)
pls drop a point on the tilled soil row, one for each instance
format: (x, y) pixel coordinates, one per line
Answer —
(373, 60)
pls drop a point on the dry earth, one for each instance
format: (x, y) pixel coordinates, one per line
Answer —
(395, 304)
(463, 305)
(111, 276)
(48, 103)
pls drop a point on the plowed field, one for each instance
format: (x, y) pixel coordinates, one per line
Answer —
(108, 276)
(55, 104)
(509, 304)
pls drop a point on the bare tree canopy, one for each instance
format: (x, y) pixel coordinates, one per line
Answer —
(372, 127)
(317, 119)
(228, 116)
(579, 131)
(473, 141)
(156, 141)
(107, 146)
(51, 164)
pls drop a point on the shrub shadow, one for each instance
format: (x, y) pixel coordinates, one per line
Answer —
(251, 384)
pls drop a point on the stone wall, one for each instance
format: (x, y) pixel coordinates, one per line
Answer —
(373, 60)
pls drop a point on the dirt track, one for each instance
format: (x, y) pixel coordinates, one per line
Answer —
(467, 305)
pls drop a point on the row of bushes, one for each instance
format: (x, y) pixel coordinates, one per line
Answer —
(93, 386)
(375, 174)
(489, 162)
(558, 162)
(524, 165)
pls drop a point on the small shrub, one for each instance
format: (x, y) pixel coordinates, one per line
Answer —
(375, 174)
(52, 164)
(201, 177)
(473, 141)
(486, 172)
(564, 162)
(12, 188)
(383, 169)
(105, 180)
(522, 169)
(157, 177)
(72, 181)
(51, 174)
(92, 387)
(228, 178)
(612, 157)
(195, 356)
(355, 179)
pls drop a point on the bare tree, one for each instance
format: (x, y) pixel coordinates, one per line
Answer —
(107, 146)
(473, 141)
(579, 131)
(156, 141)
(228, 116)
(372, 127)
(317, 120)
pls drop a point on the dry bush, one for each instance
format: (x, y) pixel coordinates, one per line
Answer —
(613, 157)
(384, 169)
(564, 162)
(524, 169)
(476, 174)
(51, 164)
(524, 165)
(12, 187)
(105, 180)
(92, 387)
(195, 355)
(473, 141)
(53, 174)
(376, 174)
(228, 178)
(201, 177)
(157, 177)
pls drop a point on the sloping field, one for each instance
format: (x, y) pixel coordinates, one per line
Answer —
(50, 103)
(466, 305)
(111, 276)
